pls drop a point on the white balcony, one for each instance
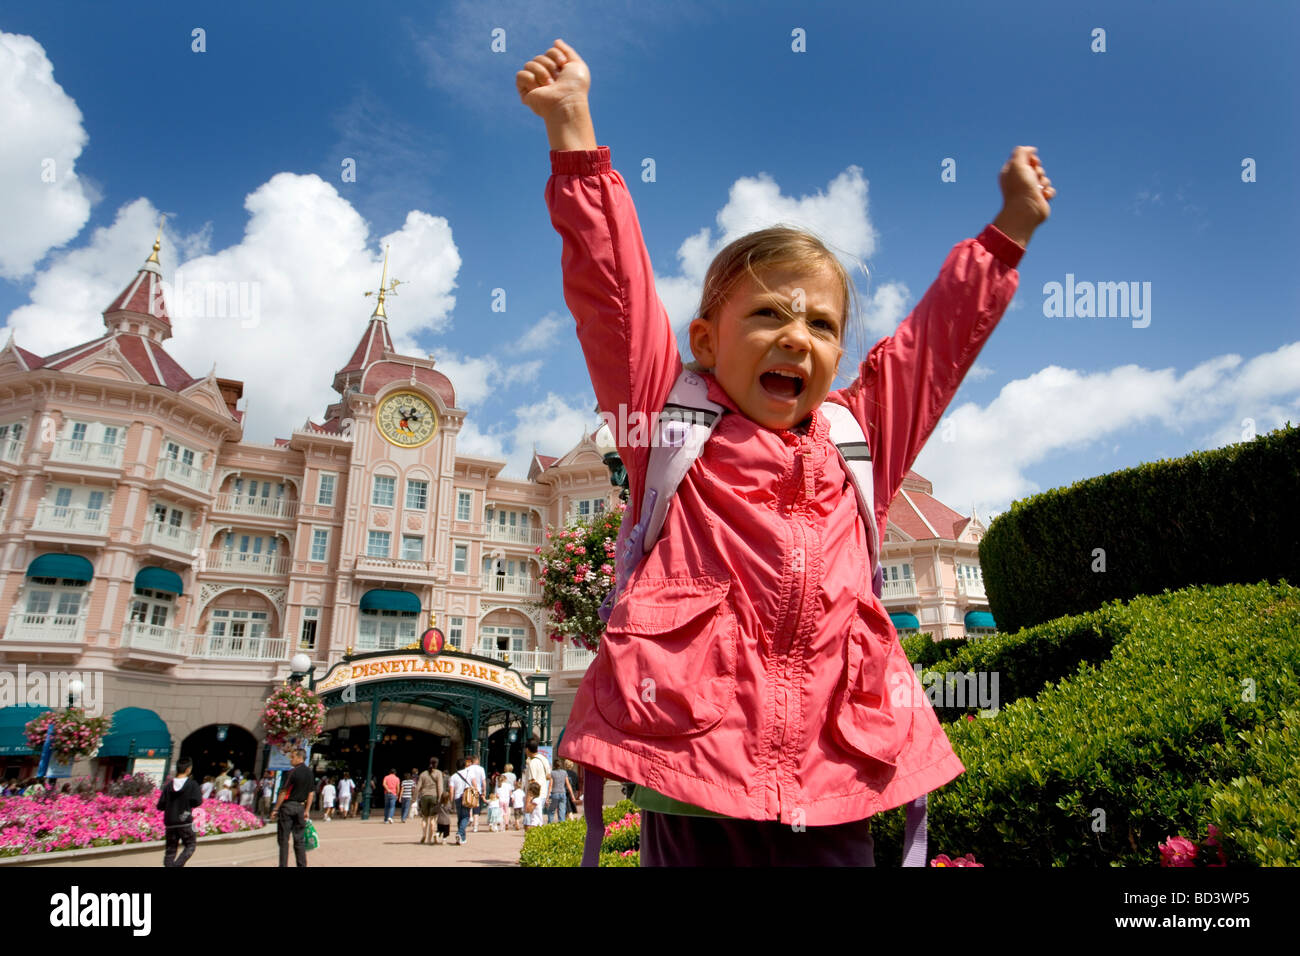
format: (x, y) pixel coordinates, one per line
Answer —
(151, 637)
(577, 658)
(971, 589)
(256, 506)
(512, 534)
(11, 450)
(191, 476)
(526, 662)
(77, 451)
(904, 587)
(171, 537)
(513, 586)
(389, 569)
(246, 562)
(52, 629)
(50, 517)
(226, 648)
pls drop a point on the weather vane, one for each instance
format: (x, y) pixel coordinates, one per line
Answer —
(383, 292)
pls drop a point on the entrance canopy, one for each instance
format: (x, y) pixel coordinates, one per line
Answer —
(13, 738)
(979, 619)
(144, 727)
(73, 567)
(385, 600)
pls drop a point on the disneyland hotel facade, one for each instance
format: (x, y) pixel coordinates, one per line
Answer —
(148, 548)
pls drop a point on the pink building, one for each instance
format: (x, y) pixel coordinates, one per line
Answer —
(145, 546)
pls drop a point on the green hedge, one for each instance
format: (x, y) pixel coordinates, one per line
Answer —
(1148, 736)
(560, 844)
(1258, 815)
(1027, 660)
(1216, 517)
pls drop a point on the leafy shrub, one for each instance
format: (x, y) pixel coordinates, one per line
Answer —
(1209, 518)
(560, 844)
(1258, 814)
(1098, 769)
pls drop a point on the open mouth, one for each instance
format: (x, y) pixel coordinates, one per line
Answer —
(782, 384)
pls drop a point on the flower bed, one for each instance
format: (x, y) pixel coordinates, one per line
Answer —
(71, 822)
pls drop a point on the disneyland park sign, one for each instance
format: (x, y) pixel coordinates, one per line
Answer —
(444, 667)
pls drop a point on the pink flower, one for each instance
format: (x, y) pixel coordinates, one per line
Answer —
(1178, 851)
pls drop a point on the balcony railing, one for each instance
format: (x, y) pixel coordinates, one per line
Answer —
(45, 628)
(968, 588)
(525, 662)
(905, 587)
(402, 567)
(81, 452)
(170, 536)
(577, 658)
(189, 475)
(51, 517)
(512, 534)
(256, 506)
(151, 637)
(246, 562)
(11, 449)
(226, 648)
(505, 584)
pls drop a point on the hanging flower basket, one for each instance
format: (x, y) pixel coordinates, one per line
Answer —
(75, 734)
(293, 715)
(577, 572)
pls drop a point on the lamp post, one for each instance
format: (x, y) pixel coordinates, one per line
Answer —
(609, 454)
(299, 666)
(539, 710)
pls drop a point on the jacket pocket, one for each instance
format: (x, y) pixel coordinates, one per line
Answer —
(867, 719)
(667, 663)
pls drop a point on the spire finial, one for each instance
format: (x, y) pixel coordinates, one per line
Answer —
(157, 243)
(386, 288)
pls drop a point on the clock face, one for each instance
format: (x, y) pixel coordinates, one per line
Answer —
(407, 420)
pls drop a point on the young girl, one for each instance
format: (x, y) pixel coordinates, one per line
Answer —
(533, 806)
(750, 682)
(327, 795)
(516, 807)
(446, 813)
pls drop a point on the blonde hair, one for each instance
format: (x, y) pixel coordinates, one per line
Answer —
(765, 249)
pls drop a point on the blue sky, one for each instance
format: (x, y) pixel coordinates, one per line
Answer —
(242, 145)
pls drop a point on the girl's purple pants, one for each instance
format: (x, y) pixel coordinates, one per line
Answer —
(673, 840)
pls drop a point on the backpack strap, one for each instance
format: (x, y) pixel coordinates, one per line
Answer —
(852, 445)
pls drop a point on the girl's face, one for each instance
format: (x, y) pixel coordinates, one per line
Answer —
(776, 351)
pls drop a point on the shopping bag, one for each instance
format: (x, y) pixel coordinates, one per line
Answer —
(310, 836)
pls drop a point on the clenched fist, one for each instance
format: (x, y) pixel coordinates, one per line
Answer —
(1026, 192)
(554, 81)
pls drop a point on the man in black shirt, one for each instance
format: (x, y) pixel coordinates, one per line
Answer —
(177, 800)
(294, 808)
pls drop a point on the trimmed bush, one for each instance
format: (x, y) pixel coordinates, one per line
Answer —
(1258, 815)
(1099, 769)
(1216, 517)
(560, 844)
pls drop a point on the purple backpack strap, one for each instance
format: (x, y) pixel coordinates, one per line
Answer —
(593, 806)
(914, 837)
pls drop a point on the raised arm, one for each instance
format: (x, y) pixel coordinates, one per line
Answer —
(908, 379)
(609, 287)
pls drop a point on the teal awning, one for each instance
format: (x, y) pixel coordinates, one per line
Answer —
(159, 579)
(382, 600)
(71, 566)
(13, 738)
(980, 619)
(144, 727)
(905, 622)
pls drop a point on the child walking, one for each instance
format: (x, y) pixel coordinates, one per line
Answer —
(750, 682)
(533, 806)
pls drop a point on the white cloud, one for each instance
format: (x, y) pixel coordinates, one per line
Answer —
(838, 216)
(43, 136)
(541, 335)
(553, 426)
(1058, 410)
(301, 266)
(978, 373)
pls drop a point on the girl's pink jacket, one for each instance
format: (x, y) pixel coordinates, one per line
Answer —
(748, 668)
